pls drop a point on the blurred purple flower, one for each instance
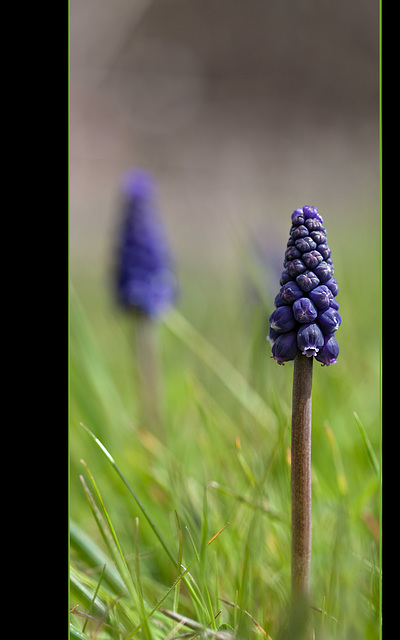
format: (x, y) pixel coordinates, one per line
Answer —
(145, 280)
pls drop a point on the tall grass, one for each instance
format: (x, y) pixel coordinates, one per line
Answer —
(186, 529)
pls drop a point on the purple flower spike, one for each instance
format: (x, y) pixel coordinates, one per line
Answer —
(305, 305)
(145, 280)
(329, 352)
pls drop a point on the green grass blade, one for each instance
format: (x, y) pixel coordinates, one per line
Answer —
(75, 634)
(96, 591)
(252, 504)
(145, 617)
(87, 351)
(90, 553)
(195, 590)
(367, 444)
(203, 560)
(84, 594)
(100, 623)
(337, 460)
(179, 568)
(165, 596)
(227, 373)
(198, 628)
(109, 536)
(109, 529)
(82, 588)
(133, 493)
(142, 508)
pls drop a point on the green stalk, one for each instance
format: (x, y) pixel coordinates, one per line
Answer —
(148, 373)
(301, 491)
(132, 492)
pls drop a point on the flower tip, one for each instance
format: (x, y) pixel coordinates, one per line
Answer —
(279, 361)
(297, 212)
(328, 363)
(137, 183)
(312, 212)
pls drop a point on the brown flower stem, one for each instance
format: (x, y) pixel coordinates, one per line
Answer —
(301, 485)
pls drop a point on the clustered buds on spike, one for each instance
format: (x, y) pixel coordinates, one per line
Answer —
(306, 314)
(145, 279)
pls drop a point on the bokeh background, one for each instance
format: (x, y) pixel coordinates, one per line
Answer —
(243, 109)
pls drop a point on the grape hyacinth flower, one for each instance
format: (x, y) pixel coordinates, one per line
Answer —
(307, 294)
(145, 278)
(303, 327)
(145, 282)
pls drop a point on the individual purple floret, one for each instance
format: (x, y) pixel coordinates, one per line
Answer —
(329, 320)
(145, 279)
(329, 352)
(306, 312)
(282, 319)
(334, 304)
(333, 286)
(310, 339)
(311, 212)
(284, 347)
(307, 280)
(290, 292)
(321, 296)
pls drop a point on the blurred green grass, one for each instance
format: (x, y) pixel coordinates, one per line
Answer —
(212, 447)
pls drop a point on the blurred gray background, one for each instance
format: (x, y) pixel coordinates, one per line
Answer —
(243, 109)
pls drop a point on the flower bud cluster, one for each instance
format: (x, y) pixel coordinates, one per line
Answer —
(145, 280)
(306, 314)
